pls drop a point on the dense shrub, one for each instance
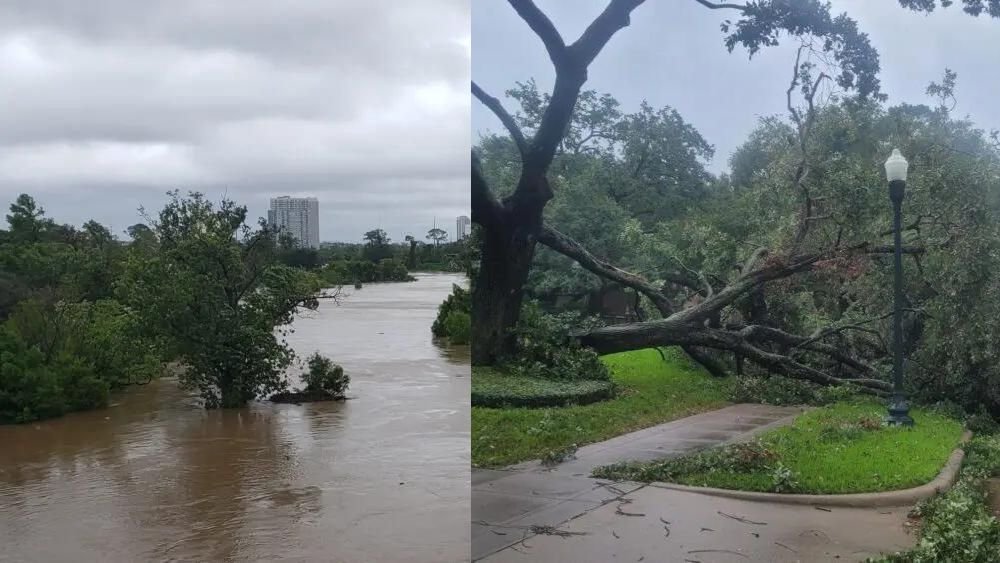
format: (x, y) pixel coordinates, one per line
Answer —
(459, 300)
(546, 350)
(785, 391)
(325, 376)
(493, 390)
(33, 387)
(64, 357)
(458, 326)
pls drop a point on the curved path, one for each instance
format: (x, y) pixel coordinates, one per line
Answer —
(530, 513)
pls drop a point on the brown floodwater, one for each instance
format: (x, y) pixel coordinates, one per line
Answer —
(381, 477)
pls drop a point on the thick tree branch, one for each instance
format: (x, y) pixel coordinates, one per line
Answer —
(668, 332)
(508, 121)
(571, 73)
(543, 28)
(600, 31)
(572, 249)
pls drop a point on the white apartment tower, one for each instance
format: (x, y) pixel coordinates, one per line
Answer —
(298, 216)
(462, 225)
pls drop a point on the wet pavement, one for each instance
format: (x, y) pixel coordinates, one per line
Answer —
(383, 477)
(508, 503)
(659, 525)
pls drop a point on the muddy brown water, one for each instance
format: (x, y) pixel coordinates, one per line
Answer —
(381, 477)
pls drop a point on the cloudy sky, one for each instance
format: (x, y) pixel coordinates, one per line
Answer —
(673, 54)
(107, 104)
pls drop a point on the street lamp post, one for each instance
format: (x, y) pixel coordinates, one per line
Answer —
(895, 171)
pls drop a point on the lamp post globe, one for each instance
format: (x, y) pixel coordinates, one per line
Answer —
(896, 168)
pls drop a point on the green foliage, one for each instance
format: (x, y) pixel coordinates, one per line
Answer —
(325, 376)
(460, 301)
(377, 246)
(840, 448)
(346, 272)
(785, 391)
(458, 326)
(34, 387)
(649, 391)
(216, 293)
(500, 390)
(547, 351)
(552, 458)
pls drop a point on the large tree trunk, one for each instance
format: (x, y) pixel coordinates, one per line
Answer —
(508, 249)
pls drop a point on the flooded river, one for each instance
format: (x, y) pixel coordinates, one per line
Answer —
(382, 477)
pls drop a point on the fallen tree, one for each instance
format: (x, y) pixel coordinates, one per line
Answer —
(703, 312)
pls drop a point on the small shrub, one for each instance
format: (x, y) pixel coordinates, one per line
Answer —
(782, 479)
(458, 327)
(547, 351)
(948, 408)
(325, 376)
(459, 300)
(982, 423)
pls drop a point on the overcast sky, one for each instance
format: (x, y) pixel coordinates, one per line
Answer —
(106, 104)
(673, 54)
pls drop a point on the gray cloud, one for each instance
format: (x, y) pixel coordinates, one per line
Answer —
(672, 54)
(107, 104)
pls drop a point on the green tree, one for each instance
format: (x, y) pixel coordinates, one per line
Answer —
(217, 293)
(437, 235)
(377, 246)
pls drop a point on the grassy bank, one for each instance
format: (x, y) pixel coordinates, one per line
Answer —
(841, 448)
(650, 391)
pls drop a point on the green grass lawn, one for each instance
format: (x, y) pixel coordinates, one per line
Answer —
(840, 448)
(650, 391)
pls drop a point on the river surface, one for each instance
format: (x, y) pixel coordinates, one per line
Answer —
(381, 477)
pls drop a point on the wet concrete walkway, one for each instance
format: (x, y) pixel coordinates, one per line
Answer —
(513, 504)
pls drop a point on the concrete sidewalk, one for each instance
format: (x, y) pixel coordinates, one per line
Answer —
(512, 504)
(661, 525)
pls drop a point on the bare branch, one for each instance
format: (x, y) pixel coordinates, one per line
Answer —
(508, 121)
(720, 6)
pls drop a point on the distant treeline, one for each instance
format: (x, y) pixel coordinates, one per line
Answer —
(378, 259)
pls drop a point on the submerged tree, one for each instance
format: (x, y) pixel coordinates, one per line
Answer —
(215, 290)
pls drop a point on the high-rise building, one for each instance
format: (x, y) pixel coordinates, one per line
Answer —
(298, 216)
(462, 225)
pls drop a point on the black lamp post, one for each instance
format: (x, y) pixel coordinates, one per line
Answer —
(895, 171)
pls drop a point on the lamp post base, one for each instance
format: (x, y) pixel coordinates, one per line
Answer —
(899, 412)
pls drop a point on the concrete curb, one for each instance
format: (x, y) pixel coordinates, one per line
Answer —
(944, 481)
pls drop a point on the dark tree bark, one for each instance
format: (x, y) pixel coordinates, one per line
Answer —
(511, 227)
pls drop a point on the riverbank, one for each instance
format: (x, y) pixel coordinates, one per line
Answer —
(269, 481)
